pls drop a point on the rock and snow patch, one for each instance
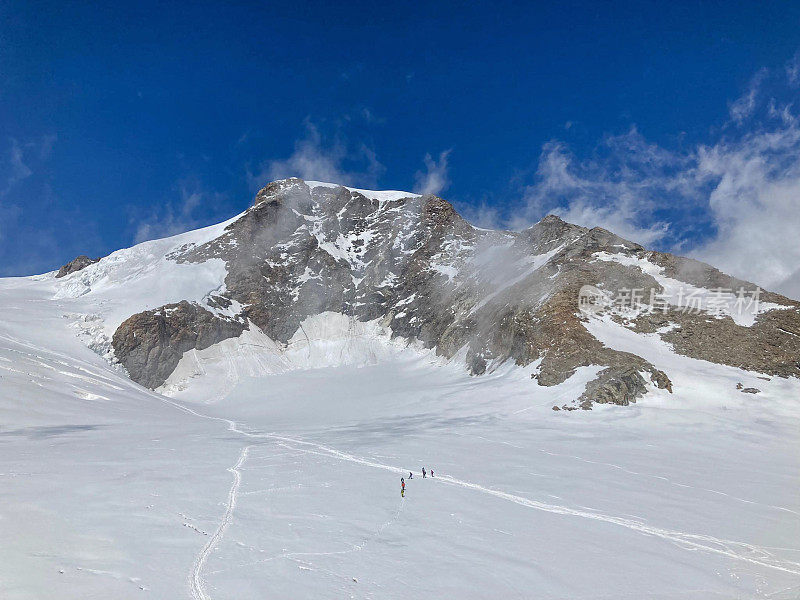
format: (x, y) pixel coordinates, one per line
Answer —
(325, 340)
(381, 196)
(523, 268)
(686, 296)
(370, 243)
(702, 382)
(142, 278)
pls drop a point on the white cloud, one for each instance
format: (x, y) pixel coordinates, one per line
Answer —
(19, 170)
(481, 215)
(793, 70)
(618, 191)
(790, 286)
(44, 146)
(315, 158)
(744, 106)
(15, 168)
(755, 203)
(175, 217)
(741, 192)
(434, 179)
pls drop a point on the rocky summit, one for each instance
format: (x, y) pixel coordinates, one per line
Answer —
(479, 296)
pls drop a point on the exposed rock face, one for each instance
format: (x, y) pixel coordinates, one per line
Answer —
(413, 262)
(614, 386)
(769, 346)
(622, 385)
(151, 343)
(76, 264)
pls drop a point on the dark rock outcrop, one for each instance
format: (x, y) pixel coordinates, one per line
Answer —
(614, 386)
(621, 385)
(76, 264)
(150, 344)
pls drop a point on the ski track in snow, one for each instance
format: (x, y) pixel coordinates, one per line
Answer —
(689, 541)
(740, 551)
(196, 582)
(666, 479)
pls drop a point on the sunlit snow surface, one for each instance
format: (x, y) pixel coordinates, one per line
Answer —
(287, 483)
(380, 195)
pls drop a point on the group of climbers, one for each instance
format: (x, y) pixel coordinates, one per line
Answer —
(411, 476)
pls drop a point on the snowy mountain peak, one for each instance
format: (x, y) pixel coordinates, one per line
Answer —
(412, 266)
(380, 195)
(282, 186)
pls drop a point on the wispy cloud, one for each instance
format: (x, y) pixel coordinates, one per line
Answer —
(17, 166)
(744, 106)
(481, 214)
(21, 156)
(793, 70)
(318, 158)
(178, 216)
(733, 202)
(435, 178)
(618, 189)
(754, 201)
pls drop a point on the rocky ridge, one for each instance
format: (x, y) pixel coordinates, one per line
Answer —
(414, 263)
(76, 264)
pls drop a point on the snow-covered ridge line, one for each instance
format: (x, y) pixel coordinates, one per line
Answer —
(379, 195)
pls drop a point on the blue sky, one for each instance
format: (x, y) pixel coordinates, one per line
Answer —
(132, 121)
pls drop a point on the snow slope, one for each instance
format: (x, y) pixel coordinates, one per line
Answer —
(138, 278)
(283, 481)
